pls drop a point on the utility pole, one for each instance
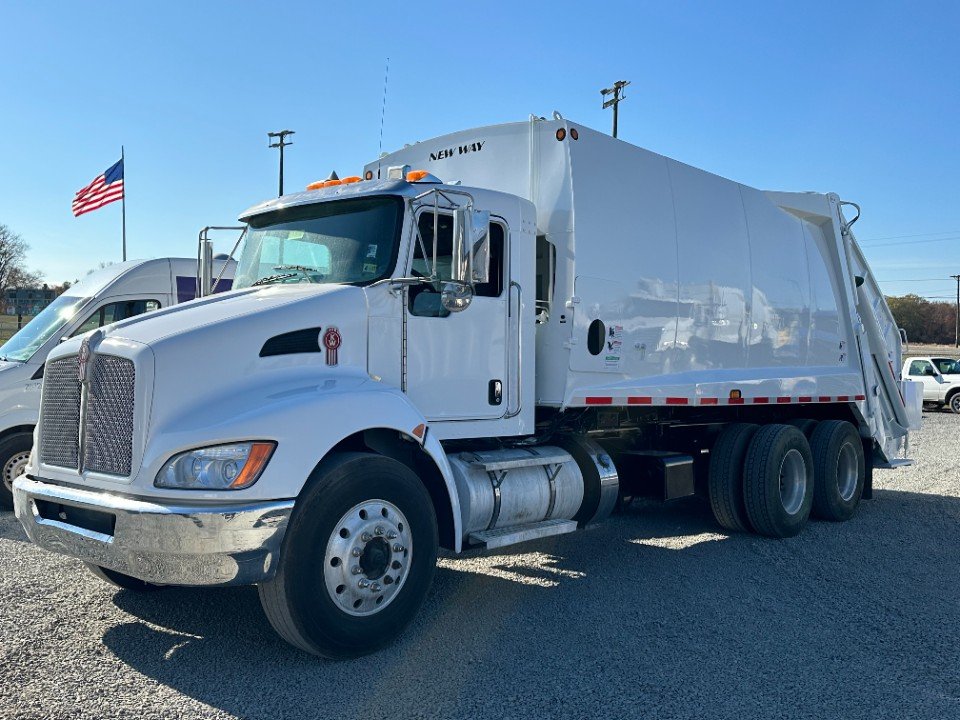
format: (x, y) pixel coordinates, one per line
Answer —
(957, 330)
(614, 102)
(280, 143)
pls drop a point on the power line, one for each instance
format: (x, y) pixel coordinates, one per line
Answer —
(910, 242)
(898, 237)
(916, 280)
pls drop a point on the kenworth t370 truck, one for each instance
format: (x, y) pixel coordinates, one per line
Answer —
(487, 338)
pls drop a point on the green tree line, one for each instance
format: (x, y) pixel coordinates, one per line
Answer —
(925, 321)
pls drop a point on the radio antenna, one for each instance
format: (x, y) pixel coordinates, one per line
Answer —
(383, 113)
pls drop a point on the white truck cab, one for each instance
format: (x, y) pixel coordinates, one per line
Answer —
(940, 377)
(490, 337)
(105, 296)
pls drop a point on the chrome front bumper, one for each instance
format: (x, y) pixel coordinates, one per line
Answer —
(165, 544)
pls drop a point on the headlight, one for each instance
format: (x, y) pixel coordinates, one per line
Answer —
(221, 467)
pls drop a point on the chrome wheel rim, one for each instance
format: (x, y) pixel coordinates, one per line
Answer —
(14, 467)
(367, 557)
(847, 471)
(793, 481)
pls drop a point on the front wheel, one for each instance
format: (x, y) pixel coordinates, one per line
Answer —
(14, 454)
(954, 403)
(358, 558)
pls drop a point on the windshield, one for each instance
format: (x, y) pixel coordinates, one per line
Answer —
(343, 241)
(35, 333)
(947, 366)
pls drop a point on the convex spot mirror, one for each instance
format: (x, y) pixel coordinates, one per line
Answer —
(456, 296)
(471, 246)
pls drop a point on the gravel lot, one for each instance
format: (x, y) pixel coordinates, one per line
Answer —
(653, 614)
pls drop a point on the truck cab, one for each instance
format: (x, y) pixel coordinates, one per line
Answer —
(116, 292)
(940, 377)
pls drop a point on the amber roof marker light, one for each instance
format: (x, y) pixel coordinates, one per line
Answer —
(574, 134)
(561, 133)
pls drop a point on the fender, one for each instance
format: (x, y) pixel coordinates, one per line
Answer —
(306, 416)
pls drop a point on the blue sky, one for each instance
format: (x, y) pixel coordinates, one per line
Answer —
(858, 98)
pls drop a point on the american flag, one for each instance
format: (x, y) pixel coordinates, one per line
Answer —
(105, 188)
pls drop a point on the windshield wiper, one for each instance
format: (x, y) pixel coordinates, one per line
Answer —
(273, 278)
(300, 270)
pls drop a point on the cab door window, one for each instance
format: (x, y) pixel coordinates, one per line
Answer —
(114, 312)
(425, 297)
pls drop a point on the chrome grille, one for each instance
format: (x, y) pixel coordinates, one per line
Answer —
(108, 421)
(60, 414)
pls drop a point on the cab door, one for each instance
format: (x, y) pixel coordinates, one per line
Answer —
(456, 363)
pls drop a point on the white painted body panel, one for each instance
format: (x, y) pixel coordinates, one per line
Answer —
(155, 279)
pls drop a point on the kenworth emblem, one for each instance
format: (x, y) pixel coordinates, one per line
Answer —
(83, 360)
(331, 341)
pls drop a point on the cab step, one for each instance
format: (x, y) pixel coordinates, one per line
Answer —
(501, 537)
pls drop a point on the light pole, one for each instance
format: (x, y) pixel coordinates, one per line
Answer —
(957, 324)
(614, 102)
(281, 143)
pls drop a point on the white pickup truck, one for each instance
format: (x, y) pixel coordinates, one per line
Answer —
(940, 377)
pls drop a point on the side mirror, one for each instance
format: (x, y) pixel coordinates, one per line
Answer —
(471, 246)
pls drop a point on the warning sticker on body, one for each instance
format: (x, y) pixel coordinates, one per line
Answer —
(614, 348)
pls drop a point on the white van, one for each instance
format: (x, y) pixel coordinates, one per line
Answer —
(114, 293)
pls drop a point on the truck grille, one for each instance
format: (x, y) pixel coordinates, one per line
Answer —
(108, 431)
(60, 414)
(107, 416)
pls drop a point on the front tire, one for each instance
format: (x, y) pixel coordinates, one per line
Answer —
(778, 481)
(14, 453)
(954, 403)
(358, 558)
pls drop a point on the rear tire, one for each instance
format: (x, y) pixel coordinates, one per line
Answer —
(342, 588)
(804, 425)
(725, 480)
(14, 453)
(778, 481)
(839, 470)
(118, 579)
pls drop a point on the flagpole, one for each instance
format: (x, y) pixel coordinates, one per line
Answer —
(123, 205)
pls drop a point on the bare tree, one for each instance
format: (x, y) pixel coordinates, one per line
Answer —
(13, 255)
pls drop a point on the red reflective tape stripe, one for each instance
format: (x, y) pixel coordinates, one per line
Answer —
(640, 401)
(677, 401)
(599, 401)
(843, 398)
(709, 401)
(805, 398)
(760, 400)
(824, 398)
(735, 401)
(783, 399)
(860, 397)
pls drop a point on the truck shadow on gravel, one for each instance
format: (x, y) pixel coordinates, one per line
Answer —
(665, 608)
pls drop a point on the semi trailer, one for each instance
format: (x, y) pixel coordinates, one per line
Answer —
(495, 336)
(112, 293)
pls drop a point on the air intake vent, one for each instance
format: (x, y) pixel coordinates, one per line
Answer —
(291, 343)
(108, 432)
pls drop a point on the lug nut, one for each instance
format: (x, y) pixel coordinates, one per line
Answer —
(391, 535)
(378, 530)
(366, 537)
(397, 547)
(356, 570)
(375, 587)
(364, 583)
(355, 552)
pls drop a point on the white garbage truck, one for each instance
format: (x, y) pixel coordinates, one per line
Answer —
(107, 295)
(496, 336)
